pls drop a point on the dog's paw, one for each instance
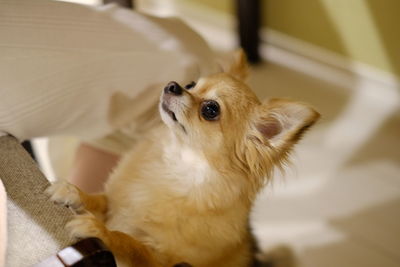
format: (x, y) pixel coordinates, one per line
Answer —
(86, 225)
(66, 194)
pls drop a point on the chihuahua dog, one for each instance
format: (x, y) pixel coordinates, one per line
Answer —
(185, 193)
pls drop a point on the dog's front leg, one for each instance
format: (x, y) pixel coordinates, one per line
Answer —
(66, 194)
(127, 249)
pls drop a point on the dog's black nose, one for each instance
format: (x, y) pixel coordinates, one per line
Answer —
(173, 88)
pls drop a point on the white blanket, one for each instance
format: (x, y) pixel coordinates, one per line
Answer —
(60, 63)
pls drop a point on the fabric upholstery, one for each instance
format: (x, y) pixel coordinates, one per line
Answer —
(35, 224)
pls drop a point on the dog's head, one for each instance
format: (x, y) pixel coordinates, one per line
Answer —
(221, 118)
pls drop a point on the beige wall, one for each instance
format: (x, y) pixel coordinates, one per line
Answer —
(367, 31)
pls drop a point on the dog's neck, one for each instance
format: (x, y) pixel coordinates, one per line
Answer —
(192, 176)
(189, 163)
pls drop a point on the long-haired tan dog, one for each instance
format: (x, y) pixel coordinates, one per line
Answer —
(185, 193)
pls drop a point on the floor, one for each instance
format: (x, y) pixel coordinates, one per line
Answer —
(338, 203)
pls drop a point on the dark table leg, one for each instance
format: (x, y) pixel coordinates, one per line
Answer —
(248, 12)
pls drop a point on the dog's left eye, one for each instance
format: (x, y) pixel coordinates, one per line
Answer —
(210, 110)
(190, 85)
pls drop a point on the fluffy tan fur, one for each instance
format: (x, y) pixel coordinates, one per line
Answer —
(184, 194)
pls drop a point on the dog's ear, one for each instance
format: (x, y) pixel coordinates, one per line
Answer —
(282, 122)
(239, 67)
(275, 127)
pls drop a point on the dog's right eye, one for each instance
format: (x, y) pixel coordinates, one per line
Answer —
(190, 85)
(210, 110)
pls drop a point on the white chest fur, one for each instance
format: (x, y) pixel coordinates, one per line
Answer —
(160, 197)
